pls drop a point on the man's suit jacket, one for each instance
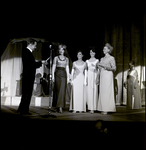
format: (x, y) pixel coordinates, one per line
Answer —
(29, 70)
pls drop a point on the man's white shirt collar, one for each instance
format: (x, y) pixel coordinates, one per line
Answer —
(29, 49)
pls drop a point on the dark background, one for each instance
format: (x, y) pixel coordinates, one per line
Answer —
(78, 25)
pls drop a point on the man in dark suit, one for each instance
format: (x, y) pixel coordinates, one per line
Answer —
(29, 70)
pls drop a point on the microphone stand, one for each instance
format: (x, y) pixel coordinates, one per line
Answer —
(50, 88)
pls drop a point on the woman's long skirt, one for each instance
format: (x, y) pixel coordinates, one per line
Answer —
(78, 102)
(60, 86)
(133, 94)
(106, 94)
(92, 91)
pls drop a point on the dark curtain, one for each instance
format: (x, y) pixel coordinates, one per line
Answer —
(127, 36)
(123, 28)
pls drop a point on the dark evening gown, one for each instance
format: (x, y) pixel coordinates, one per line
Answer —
(60, 83)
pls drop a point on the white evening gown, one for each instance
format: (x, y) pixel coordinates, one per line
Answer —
(106, 95)
(92, 87)
(78, 102)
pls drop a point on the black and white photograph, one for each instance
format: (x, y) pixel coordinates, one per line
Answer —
(73, 75)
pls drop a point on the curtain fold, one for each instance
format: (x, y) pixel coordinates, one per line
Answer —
(11, 66)
(127, 40)
(11, 69)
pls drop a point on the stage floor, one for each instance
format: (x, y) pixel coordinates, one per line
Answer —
(121, 114)
(126, 129)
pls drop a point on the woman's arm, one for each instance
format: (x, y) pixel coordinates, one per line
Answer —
(136, 79)
(99, 66)
(67, 70)
(98, 73)
(72, 73)
(85, 79)
(125, 83)
(53, 69)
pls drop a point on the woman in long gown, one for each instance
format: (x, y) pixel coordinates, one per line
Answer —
(92, 86)
(78, 73)
(133, 89)
(107, 65)
(60, 76)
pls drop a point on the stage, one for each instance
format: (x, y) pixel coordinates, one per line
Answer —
(126, 128)
(121, 114)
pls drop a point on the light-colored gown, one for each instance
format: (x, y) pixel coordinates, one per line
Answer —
(78, 102)
(106, 91)
(92, 87)
(133, 90)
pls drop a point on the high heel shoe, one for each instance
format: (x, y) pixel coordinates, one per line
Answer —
(74, 112)
(104, 113)
(91, 111)
(60, 110)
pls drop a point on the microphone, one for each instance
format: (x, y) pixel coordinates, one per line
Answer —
(47, 59)
(50, 46)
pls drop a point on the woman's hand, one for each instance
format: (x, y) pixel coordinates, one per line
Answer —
(68, 80)
(102, 66)
(135, 84)
(97, 81)
(125, 85)
(53, 80)
(44, 62)
(71, 82)
(85, 83)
